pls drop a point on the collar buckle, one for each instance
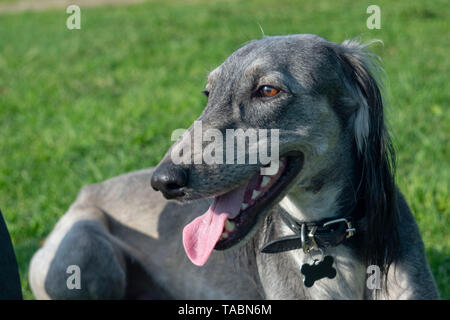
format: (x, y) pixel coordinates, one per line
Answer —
(350, 229)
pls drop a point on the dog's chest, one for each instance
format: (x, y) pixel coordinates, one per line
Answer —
(281, 275)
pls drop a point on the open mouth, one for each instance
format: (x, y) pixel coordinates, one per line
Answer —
(233, 217)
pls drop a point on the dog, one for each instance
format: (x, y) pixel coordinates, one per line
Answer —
(330, 223)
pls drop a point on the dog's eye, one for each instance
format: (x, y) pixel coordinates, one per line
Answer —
(267, 91)
(205, 92)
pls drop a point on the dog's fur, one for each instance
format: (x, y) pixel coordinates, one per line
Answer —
(126, 238)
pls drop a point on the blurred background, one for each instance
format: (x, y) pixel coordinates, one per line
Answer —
(81, 106)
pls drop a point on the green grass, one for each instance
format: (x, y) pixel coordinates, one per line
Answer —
(81, 106)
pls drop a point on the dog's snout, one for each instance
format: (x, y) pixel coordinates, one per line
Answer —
(170, 180)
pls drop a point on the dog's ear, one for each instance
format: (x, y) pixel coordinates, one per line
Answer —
(375, 157)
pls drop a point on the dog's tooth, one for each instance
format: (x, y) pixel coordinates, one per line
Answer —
(265, 181)
(255, 194)
(224, 235)
(244, 206)
(229, 226)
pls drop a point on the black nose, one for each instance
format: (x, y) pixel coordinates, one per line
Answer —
(170, 180)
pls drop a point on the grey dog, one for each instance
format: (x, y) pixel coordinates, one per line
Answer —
(334, 195)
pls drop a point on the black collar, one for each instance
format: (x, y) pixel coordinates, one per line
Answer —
(311, 235)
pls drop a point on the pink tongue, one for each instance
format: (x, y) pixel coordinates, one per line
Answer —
(201, 235)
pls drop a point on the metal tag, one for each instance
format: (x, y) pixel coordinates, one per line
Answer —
(318, 270)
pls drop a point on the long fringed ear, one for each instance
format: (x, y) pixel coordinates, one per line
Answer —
(375, 155)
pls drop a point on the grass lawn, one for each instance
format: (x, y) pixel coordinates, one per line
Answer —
(81, 106)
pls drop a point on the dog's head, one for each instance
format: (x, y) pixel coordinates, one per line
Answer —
(309, 105)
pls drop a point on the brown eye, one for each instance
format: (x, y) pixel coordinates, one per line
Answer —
(267, 91)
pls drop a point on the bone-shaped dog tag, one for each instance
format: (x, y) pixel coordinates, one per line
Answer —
(317, 271)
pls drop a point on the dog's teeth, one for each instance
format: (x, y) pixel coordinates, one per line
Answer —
(244, 206)
(265, 181)
(224, 235)
(255, 194)
(229, 226)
